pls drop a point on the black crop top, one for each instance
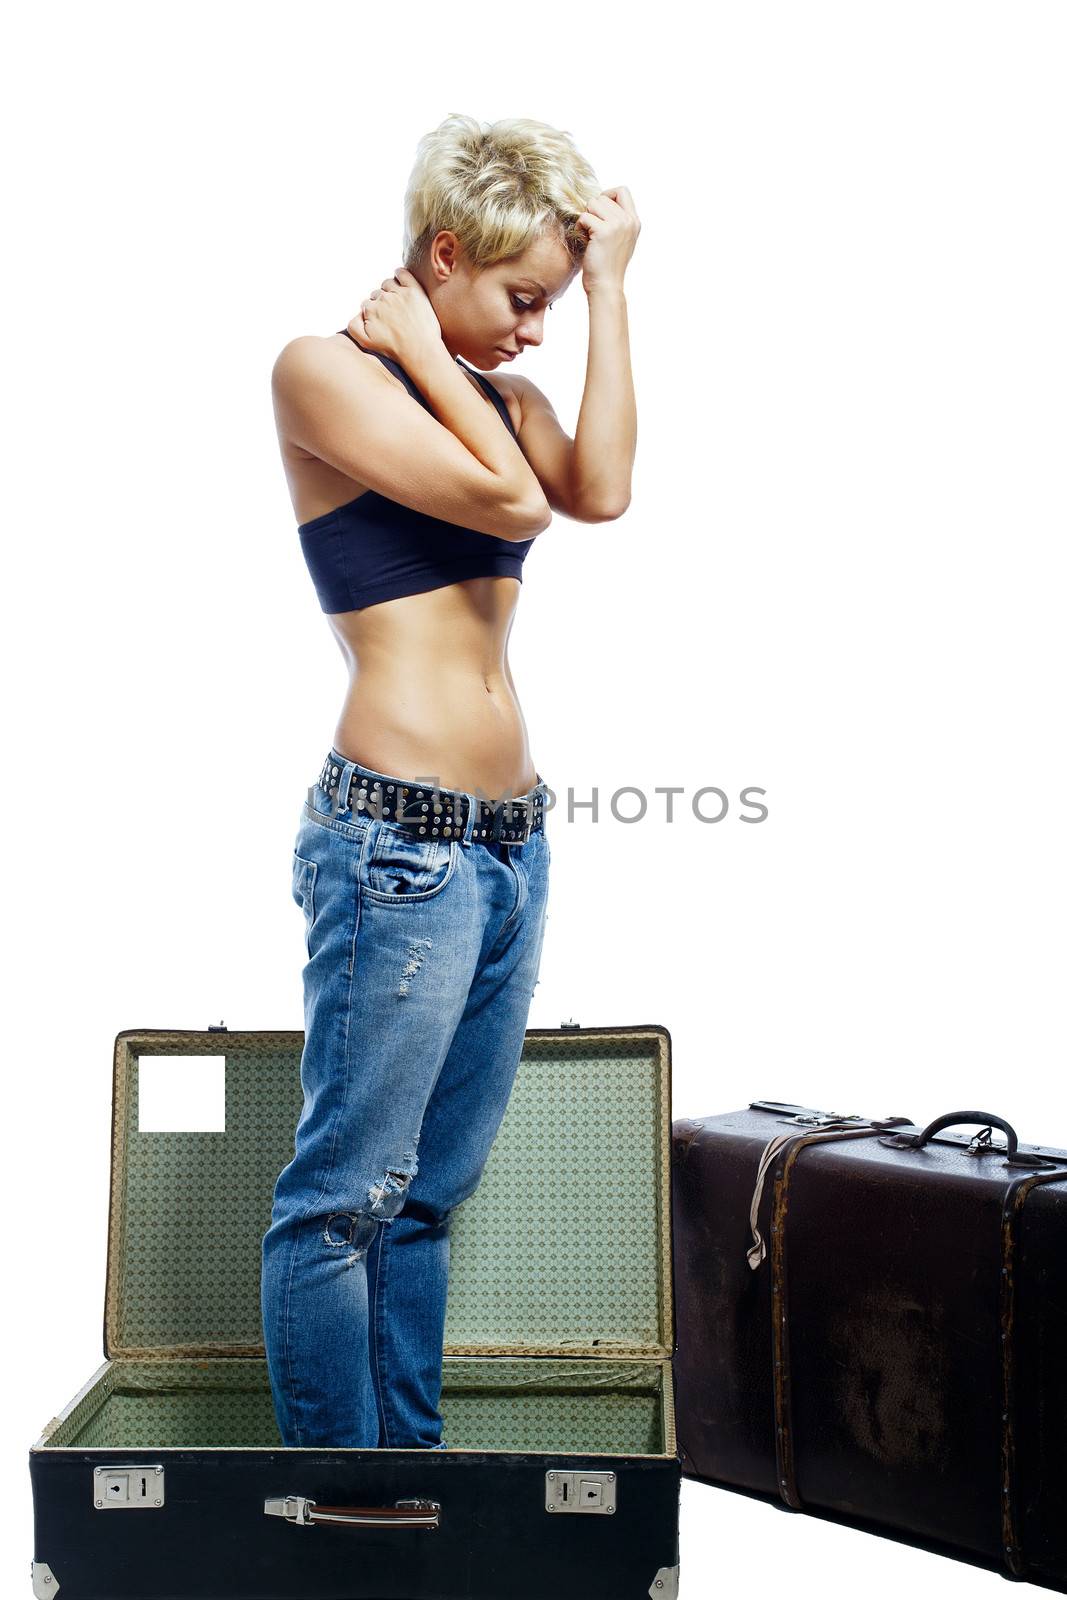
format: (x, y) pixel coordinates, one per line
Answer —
(372, 548)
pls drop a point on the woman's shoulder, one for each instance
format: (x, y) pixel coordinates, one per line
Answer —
(322, 349)
(316, 357)
(510, 390)
(523, 398)
(315, 378)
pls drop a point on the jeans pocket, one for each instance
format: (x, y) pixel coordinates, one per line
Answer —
(398, 866)
(304, 875)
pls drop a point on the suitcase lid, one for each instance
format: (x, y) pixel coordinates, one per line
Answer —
(564, 1247)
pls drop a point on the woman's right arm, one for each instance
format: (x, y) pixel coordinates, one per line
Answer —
(337, 404)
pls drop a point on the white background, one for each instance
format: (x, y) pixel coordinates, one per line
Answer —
(839, 579)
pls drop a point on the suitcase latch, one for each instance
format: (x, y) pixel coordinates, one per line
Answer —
(982, 1141)
(822, 1119)
(124, 1488)
(803, 1116)
(580, 1491)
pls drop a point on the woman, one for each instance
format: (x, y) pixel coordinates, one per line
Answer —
(421, 861)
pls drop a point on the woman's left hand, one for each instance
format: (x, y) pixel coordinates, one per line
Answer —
(612, 225)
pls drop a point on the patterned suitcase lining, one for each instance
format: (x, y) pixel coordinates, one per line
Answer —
(578, 1179)
(574, 1201)
(522, 1404)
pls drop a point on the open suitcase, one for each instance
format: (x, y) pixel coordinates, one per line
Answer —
(872, 1326)
(562, 1477)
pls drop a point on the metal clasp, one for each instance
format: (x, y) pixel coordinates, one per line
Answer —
(823, 1119)
(983, 1140)
(514, 814)
(293, 1506)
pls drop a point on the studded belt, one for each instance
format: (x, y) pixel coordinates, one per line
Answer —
(430, 812)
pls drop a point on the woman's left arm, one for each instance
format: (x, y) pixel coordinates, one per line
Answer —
(588, 477)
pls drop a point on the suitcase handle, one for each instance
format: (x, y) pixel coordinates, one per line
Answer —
(404, 1514)
(915, 1141)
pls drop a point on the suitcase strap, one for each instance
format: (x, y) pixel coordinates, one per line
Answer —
(781, 1153)
(830, 1127)
(1017, 1192)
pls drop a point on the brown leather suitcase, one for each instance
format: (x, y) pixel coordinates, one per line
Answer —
(872, 1326)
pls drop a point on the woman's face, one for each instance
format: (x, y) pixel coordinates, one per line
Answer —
(500, 309)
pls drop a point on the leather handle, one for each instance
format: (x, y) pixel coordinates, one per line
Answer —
(1012, 1158)
(377, 1516)
(985, 1118)
(915, 1141)
(306, 1513)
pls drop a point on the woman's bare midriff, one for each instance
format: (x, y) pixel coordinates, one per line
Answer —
(430, 694)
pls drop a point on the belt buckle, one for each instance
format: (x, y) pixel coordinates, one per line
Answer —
(505, 817)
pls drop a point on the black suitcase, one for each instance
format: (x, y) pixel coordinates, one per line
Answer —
(562, 1476)
(872, 1326)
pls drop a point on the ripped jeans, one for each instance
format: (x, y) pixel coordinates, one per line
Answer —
(422, 960)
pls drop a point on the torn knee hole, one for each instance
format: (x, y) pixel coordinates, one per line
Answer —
(349, 1229)
(387, 1197)
(354, 1230)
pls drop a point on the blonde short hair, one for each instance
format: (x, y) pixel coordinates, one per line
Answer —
(496, 186)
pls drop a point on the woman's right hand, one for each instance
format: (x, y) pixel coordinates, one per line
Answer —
(398, 319)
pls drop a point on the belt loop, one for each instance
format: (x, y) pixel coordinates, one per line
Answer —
(473, 809)
(341, 798)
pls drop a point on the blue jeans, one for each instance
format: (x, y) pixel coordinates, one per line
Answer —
(422, 960)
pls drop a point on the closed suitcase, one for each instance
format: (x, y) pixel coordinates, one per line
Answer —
(165, 1476)
(872, 1326)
